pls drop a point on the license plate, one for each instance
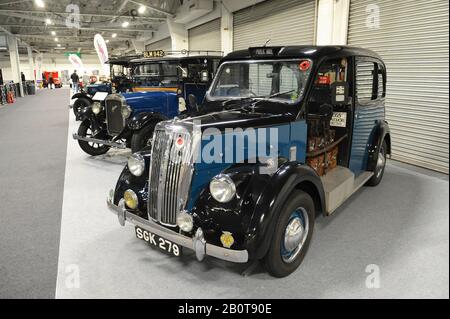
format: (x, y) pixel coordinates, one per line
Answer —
(156, 241)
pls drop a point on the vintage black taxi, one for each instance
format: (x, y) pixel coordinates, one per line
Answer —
(317, 116)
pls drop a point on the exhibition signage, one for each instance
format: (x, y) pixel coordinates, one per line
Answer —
(102, 52)
(76, 62)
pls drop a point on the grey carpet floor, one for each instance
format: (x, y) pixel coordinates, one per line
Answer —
(33, 144)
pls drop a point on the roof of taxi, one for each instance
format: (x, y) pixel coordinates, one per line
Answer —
(311, 52)
(176, 57)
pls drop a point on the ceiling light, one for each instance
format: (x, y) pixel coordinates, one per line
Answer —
(125, 24)
(107, 41)
(114, 35)
(53, 33)
(58, 44)
(39, 3)
(142, 9)
(48, 21)
(56, 39)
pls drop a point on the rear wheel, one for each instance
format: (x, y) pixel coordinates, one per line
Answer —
(79, 104)
(142, 138)
(90, 148)
(292, 235)
(379, 169)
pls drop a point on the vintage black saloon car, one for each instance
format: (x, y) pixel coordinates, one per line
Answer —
(325, 107)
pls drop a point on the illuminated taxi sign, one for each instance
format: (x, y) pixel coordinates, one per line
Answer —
(264, 51)
(154, 54)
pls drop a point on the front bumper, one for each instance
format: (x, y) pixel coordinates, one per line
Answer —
(99, 141)
(196, 243)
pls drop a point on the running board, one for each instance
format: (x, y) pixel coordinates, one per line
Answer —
(99, 141)
(339, 184)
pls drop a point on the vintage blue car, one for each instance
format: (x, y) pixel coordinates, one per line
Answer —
(162, 88)
(120, 82)
(285, 134)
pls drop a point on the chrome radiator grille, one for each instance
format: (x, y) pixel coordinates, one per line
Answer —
(170, 174)
(114, 119)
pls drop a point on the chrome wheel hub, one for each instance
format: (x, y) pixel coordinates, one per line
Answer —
(381, 161)
(295, 235)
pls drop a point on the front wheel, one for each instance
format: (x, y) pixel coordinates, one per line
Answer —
(292, 235)
(90, 148)
(142, 138)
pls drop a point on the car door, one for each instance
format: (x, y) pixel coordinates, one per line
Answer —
(369, 109)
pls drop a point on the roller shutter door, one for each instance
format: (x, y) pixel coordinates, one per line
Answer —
(284, 22)
(164, 44)
(412, 38)
(206, 37)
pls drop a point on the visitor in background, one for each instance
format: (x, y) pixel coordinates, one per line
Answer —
(22, 76)
(50, 81)
(75, 81)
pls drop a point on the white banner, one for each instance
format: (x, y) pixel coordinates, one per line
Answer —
(76, 62)
(102, 51)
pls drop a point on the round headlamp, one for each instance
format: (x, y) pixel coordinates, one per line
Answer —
(222, 188)
(131, 199)
(126, 111)
(96, 107)
(185, 221)
(136, 164)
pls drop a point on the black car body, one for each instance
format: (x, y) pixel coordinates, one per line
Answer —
(326, 105)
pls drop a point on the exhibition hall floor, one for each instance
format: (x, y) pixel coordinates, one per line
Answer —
(400, 228)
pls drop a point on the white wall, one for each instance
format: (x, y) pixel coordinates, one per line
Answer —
(54, 62)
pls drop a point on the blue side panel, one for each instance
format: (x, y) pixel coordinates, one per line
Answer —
(160, 102)
(299, 135)
(220, 157)
(366, 118)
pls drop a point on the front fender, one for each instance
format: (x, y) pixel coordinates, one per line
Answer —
(139, 184)
(139, 120)
(380, 133)
(83, 95)
(290, 176)
(250, 216)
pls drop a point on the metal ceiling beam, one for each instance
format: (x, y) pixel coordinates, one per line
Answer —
(152, 8)
(56, 27)
(47, 13)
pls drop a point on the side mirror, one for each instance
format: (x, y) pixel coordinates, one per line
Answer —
(339, 93)
(193, 102)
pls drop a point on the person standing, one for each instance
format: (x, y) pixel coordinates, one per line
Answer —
(75, 80)
(50, 81)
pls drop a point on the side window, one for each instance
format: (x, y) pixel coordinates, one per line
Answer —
(365, 81)
(381, 92)
(329, 72)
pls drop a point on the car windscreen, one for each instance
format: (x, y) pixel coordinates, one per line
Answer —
(161, 73)
(283, 81)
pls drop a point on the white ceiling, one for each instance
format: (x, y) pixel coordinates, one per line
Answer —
(27, 20)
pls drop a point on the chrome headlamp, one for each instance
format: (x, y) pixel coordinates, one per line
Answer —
(136, 164)
(97, 107)
(126, 111)
(222, 188)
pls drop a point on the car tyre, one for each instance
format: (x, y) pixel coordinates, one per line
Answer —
(142, 138)
(88, 147)
(292, 235)
(380, 167)
(79, 104)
